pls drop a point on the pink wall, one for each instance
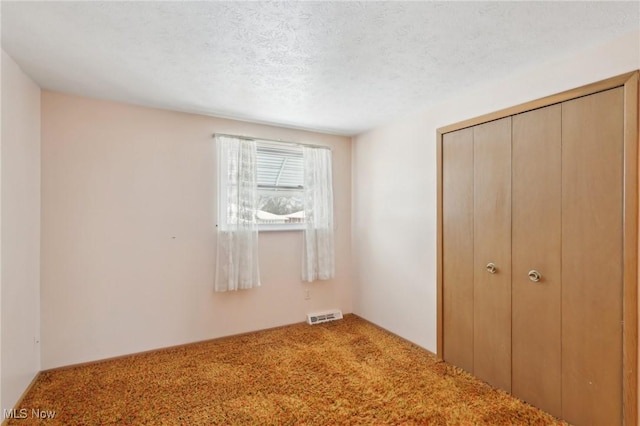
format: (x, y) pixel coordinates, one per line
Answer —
(128, 237)
(20, 232)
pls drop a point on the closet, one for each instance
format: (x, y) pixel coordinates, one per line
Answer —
(537, 253)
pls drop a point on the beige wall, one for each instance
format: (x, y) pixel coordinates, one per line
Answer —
(128, 233)
(19, 232)
(394, 219)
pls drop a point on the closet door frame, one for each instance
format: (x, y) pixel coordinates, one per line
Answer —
(629, 221)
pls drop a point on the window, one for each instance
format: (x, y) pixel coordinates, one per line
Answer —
(280, 184)
(272, 185)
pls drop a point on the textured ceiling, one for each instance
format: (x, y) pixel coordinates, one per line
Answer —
(341, 67)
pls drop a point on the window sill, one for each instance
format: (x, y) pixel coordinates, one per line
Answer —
(282, 227)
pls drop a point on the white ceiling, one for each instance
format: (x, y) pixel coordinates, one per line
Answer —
(339, 67)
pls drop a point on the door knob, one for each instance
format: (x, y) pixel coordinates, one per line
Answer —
(534, 275)
(491, 268)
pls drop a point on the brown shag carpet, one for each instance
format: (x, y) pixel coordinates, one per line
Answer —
(339, 373)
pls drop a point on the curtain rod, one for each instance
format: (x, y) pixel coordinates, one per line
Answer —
(249, 138)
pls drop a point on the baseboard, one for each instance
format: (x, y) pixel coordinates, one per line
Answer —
(24, 394)
(165, 348)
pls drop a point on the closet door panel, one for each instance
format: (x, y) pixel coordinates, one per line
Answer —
(592, 166)
(536, 202)
(457, 247)
(492, 244)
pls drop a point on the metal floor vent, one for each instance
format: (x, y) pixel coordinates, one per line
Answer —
(319, 317)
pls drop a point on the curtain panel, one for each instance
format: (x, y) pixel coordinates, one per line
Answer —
(237, 255)
(318, 250)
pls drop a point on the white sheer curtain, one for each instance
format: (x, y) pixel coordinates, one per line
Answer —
(237, 258)
(318, 252)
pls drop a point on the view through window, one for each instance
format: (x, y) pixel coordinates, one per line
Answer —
(280, 170)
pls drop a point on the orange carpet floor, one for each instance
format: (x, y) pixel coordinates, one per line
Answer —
(346, 372)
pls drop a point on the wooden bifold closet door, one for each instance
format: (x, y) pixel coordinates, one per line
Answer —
(477, 250)
(592, 166)
(537, 247)
(457, 181)
(533, 232)
(492, 252)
